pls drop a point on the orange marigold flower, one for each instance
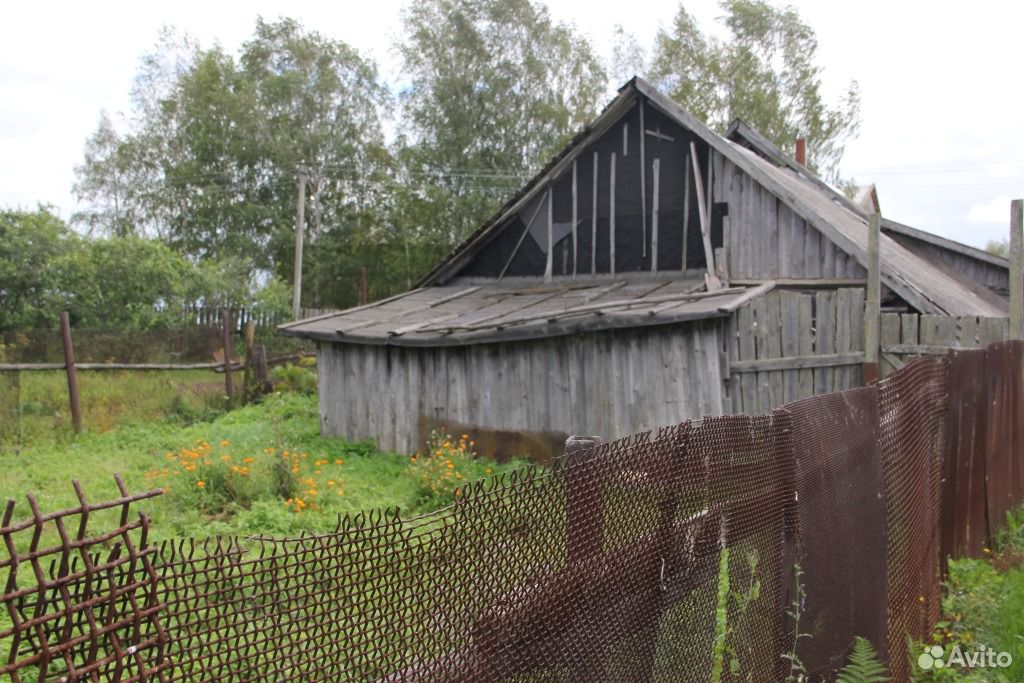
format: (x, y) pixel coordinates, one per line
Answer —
(224, 443)
(248, 460)
(201, 484)
(339, 461)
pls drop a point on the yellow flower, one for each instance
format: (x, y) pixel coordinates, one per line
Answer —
(248, 461)
(224, 443)
(339, 461)
(201, 484)
(226, 458)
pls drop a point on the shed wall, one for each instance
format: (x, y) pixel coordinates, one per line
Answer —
(523, 398)
(766, 239)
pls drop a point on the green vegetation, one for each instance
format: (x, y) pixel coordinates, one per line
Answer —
(261, 469)
(863, 666)
(984, 605)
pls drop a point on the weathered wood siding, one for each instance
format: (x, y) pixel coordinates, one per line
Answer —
(815, 339)
(523, 398)
(903, 336)
(766, 239)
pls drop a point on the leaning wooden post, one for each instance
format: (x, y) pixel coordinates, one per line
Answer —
(250, 341)
(872, 301)
(69, 368)
(226, 323)
(584, 528)
(1016, 269)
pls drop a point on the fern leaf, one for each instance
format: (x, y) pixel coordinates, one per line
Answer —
(863, 665)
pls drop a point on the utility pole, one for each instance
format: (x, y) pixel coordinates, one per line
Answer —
(300, 222)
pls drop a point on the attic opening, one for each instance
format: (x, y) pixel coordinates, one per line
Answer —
(629, 198)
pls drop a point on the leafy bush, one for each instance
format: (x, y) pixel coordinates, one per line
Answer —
(300, 378)
(443, 468)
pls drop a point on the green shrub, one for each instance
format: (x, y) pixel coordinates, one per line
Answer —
(863, 666)
(300, 378)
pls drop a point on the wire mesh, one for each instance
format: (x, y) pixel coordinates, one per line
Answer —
(667, 556)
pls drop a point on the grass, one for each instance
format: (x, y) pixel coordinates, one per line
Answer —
(34, 405)
(277, 444)
(984, 605)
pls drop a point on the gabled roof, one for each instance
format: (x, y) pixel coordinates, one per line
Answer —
(924, 286)
(463, 314)
(741, 133)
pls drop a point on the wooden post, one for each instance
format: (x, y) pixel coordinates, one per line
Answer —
(364, 287)
(1016, 269)
(549, 265)
(250, 341)
(300, 222)
(801, 151)
(69, 369)
(643, 179)
(584, 525)
(593, 221)
(872, 301)
(226, 323)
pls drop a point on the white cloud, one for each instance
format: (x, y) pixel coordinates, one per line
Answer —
(996, 211)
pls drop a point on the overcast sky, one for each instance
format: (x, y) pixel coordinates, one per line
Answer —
(942, 134)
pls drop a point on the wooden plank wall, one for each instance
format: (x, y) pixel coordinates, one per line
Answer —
(610, 383)
(905, 335)
(789, 345)
(766, 239)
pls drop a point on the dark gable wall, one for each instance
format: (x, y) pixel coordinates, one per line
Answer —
(633, 240)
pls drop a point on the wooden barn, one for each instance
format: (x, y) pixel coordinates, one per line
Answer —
(653, 271)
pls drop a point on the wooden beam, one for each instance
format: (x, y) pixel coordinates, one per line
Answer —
(656, 182)
(643, 182)
(611, 220)
(749, 295)
(549, 266)
(872, 302)
(797, 362)
(919, 349)
(526, 230)
(705, 225)
(686, 210)
(452, 297)
(804, 283)
(593, 222)
(575, 219)
(1016, 269)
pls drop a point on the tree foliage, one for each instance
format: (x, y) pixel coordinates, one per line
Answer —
(763, 72)
(215, 145)
(494, 88)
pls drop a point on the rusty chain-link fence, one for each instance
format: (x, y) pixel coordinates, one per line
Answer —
(704, 551)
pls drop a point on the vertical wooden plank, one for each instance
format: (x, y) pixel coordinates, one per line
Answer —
(812, 256)
(789, 309)
(992, 330)
(889, 334)
(873, 303)
(805, 343)
(763, 335)
(643, 179)
(967, 332)
(770, 209)
(1016, 268)
(656, 183)
(549, 264)
(773, 332)
(575, 220)
(593, 221)
(828, 258)
(229, 388)
(686, 208)
(908, 331)
(611, 219)
(824, 342)
(843, 341)
(746, 346)
(785, 221)
(705, 223)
